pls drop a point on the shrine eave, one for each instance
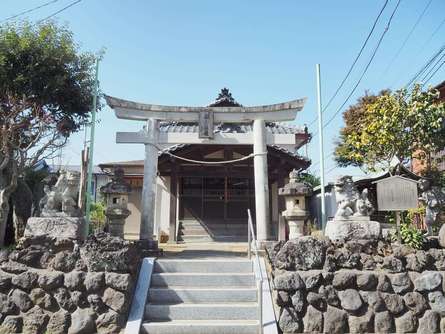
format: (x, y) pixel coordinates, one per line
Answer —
(285, 111)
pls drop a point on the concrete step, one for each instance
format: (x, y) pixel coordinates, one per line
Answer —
(203, 266)
(203, 279)
(193, 231)
(223, 311)
(195, 238)
(201, 327)
(174, 295)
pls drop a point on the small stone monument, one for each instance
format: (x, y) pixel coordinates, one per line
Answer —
(352, 219)
(116, 197)
(60, 217)
(295, 194)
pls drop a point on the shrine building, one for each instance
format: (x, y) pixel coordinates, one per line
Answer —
(204, 167)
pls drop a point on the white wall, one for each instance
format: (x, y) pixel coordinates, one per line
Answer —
(162, 209)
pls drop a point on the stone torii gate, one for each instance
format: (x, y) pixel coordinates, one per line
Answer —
(206, 117)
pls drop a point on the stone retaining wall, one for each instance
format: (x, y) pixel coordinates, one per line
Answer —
(55, 286)
(357, 287)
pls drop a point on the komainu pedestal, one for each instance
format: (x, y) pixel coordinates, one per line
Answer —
(60, 216)
(352, 219)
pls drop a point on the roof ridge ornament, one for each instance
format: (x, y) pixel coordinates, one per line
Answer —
(225, 99)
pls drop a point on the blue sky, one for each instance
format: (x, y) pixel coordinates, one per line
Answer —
(184, 52)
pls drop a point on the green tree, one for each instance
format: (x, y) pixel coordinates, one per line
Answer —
(309, 178)
(401, 124)
(354, 118)
(46, 90)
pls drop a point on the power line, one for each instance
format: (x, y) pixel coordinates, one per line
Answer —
(355, 60)
(367, 65)
(432, 68)
(432, 75)
(28, 11)
(408, 37)
(59, 11)
(426, 66)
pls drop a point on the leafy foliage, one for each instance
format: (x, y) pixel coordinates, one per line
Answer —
(309, 178)
(354, 118)
(411, 236)
(392, 125)
(97, 215)
(41, 64)
(46, 91)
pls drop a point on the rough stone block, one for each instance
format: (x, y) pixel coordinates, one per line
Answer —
(115, 300)
(34, 321)
(335, 321)
(304, 253)
(363, 323)
(117, 281)
(352, 230)
(428, 281)
(59, 323)
(74, 280)
(13, 323)
(290, 321)
(26, 280)
(313, 320)
(383, 322)
(298, 301)
(289, 281)
(394, 303)
(367, 281)
(416, 302)
(344, 280)
(21, 300)
(429, 323)
(94, 281)
(50, 280)
(56, 227)
(407, 323)
(350, 300)
(82, 322)
(401, 283)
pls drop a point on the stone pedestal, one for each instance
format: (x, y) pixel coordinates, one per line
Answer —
(353, 228)
(56, 227)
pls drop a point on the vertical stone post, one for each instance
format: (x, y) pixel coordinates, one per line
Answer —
(149, 182)
(261, 180)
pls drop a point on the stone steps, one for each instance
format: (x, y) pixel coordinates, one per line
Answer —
(202, 327)
(203, 279)
(194, 231)
(202, 266)
(173, 295)
(202, 297)
(202, 311)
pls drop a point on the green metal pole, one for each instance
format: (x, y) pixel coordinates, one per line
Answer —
(91, 152)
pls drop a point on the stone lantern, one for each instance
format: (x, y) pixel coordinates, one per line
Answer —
(116, 198)
(296, 213)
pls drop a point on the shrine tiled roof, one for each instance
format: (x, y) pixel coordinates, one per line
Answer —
(274, 128)
(176, 148)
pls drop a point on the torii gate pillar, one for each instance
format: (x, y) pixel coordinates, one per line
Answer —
(262, 212)
(146, 231)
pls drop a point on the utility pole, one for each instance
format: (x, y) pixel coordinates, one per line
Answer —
(320, 136)
(91, 151)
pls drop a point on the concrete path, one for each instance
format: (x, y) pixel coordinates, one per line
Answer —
(205, 250)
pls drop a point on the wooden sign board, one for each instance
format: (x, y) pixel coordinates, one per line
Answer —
(396, 193)
(206, 124)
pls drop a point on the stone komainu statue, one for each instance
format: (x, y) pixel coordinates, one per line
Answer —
(349, 201)
(61, 199)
